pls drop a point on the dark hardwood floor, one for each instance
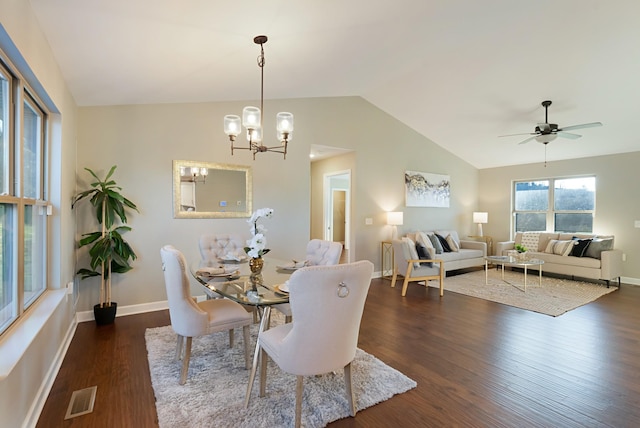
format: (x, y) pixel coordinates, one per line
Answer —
(477, 364)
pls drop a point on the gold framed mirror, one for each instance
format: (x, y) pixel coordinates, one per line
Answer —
(211, 190)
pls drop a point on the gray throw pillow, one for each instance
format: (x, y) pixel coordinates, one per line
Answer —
(436, 243)
(597, 246)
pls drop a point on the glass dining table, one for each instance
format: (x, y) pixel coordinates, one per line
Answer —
(240, 285)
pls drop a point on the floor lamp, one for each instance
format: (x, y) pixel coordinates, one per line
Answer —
(394, 219)
(480, 218)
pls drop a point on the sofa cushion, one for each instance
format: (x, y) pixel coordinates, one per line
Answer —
(409, 251)
(544, 239)
(556, 259)
(423, 254)
(423, 239)
(530, 240)
(436, 243)
(452, 243)
(443, 242)
(453, 233)
(597, 246)
(562, 248)
(580, 247)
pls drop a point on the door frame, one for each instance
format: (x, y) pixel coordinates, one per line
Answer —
(328, 186)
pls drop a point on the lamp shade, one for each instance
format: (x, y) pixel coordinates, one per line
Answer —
(480, 217)
(395, 218)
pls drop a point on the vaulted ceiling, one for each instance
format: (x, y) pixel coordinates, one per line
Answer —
(460, 72)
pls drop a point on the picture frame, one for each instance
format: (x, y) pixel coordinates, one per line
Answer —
(424, 189)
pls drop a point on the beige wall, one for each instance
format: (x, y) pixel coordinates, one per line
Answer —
(617, 198)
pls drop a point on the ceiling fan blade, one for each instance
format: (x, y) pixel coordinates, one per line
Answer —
(514, 135)
(527, 140)
(568, 135)
(584, 125)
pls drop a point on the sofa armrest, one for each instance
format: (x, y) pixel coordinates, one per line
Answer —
(502, 247)
(611, 264)
(474, 245)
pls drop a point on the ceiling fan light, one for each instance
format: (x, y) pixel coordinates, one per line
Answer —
(546, 138)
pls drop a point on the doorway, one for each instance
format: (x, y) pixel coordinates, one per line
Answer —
(337, 209)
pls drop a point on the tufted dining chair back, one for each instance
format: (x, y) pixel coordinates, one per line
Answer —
(327, 304)
(323, 253)
(215, 246)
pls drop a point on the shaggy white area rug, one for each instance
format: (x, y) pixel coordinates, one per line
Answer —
(215, 390)
(554, 297)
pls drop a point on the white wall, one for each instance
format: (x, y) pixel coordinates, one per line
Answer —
(617, 198)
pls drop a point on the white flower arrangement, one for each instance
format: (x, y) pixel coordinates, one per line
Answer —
(256, 246)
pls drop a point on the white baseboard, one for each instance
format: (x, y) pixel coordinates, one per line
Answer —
(127, 310)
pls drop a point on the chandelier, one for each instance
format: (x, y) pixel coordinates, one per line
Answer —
(194, 174)
(252, 119)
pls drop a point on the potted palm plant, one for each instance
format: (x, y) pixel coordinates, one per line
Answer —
(108, 251)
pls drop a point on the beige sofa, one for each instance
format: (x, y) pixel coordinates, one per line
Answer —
(599, 260)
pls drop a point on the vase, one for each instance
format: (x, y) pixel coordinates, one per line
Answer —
(256, 264)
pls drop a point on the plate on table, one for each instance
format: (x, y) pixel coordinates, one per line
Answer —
(294, 265)
(233, 259)
(282, 288)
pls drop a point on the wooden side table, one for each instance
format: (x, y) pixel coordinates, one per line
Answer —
(486, 239)
(387, 263)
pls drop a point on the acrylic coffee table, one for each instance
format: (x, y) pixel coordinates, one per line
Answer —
(512, 261)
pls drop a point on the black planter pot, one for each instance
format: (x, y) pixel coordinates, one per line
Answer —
(105, 315)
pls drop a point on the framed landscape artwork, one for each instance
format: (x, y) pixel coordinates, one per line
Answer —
(423, 189)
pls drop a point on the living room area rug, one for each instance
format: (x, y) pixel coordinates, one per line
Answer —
(214, 393)
(554, 297)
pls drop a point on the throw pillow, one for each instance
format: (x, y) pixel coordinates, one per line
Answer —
(436, 243)
(530, 240)
(423, 239)
(561, 248)
(597, 246)
(452, 244)
(410, 252)
(443, 243)
(580, 247)
(423, 254)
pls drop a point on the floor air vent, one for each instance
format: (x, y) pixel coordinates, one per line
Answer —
(81, 402)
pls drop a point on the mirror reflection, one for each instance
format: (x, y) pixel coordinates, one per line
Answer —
(211, 190)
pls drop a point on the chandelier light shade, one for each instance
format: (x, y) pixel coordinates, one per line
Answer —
(252, 120)
(480, 218)
(193, 174)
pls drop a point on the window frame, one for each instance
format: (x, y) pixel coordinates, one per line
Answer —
(551, 211)
(25, 284)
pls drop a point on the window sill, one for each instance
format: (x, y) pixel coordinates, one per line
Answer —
(16, 340)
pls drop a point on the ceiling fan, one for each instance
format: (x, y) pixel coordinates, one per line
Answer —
(547, 132)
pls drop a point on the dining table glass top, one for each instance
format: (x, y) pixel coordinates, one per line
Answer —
(240, 285)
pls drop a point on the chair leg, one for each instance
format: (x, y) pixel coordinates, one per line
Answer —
(179, 343)
(299, 388)
(263, 372)
(394, 277)
(247, 352)
(405, 284)
(347, 384)
(287, 319)
(231, 338)
(185, 362)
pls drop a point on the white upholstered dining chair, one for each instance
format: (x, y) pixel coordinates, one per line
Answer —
(191, 319)
(216, 246)
(319, 253)
(327, 304)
